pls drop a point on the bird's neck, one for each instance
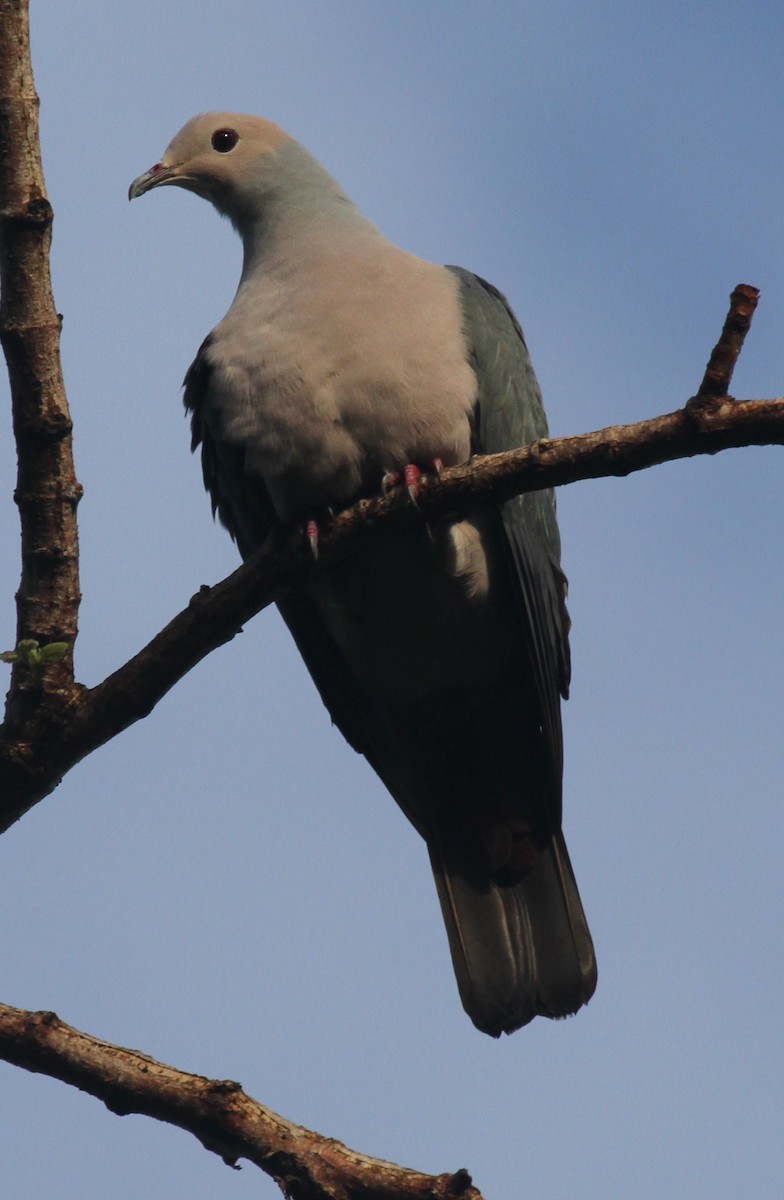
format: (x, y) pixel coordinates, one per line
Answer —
(295, 205)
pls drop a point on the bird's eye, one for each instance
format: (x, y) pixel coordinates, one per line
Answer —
(224, 140)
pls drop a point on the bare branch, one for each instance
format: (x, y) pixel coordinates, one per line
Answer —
(47, 491)
(218, 1112)
(718, 373)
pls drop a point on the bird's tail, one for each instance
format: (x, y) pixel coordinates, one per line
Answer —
(520, 949)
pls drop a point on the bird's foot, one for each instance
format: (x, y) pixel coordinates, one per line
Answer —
(411, 477)
(310, 529)
(312, 535)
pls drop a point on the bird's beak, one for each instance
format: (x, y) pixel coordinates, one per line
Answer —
(157, 175)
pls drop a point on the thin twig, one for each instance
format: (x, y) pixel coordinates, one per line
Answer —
(721, 364)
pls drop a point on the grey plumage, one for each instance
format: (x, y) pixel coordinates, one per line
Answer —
(441, 654)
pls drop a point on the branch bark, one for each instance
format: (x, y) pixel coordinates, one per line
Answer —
(218, 1112)
(47, 490)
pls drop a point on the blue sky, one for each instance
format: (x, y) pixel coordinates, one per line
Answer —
(227, 886)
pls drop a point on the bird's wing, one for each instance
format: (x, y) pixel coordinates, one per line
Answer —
(510, 413)
(238, 497)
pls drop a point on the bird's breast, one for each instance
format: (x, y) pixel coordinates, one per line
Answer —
(334, 375)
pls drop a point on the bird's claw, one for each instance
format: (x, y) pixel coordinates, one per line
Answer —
(411, 477)
(312, 534)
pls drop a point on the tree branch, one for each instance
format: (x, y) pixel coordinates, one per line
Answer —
(53, 722)
(66, 726)
(226, 1121)
(47, 490)
(718, 373)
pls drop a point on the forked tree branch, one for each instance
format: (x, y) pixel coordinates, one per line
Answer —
(69, 723)
(218, 1112)
(53, 722)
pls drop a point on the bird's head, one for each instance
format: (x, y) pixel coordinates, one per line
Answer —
(218, 155)
(254, 174)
